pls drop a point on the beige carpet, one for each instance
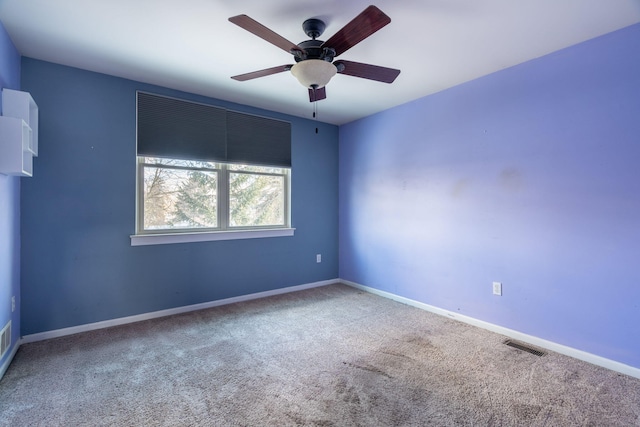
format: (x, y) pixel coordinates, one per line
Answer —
(330, 356)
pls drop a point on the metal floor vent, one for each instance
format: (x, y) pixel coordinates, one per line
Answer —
(5, 339)
(524, 347)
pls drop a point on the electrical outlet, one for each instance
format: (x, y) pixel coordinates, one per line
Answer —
(497, 288)
(318, 258)
(13, 304)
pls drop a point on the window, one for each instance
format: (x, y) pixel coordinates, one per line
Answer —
(190, 196)
(204, 170)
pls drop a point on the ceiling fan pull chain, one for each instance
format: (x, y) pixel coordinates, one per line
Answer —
(315, 113)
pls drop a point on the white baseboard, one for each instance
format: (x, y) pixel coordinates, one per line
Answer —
(530, 339)
(169, 312)
(7, 362)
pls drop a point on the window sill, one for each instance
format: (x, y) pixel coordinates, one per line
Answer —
(170, 238)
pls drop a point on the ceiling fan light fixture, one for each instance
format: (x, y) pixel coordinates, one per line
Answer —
(314, 72)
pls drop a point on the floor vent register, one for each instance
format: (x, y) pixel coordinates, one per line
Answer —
(524, 347)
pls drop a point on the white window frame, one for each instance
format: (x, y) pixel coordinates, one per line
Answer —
(223, 231)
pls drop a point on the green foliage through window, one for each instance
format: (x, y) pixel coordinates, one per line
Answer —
(183, 195)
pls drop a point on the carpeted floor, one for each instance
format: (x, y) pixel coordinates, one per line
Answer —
(329, 356)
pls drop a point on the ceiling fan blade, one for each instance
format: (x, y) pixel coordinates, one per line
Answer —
(317, 94)
(367, 71)
(253, 26)
(262, 73)
(361, 27)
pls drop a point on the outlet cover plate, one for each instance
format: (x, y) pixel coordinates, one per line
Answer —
(497, 288)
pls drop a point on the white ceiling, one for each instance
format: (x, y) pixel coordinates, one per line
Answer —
(190, 45)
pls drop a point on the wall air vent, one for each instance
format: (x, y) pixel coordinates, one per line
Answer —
(524, 347)
(5, 339)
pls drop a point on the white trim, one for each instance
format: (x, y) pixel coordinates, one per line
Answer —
(168, 238)
(169, 312)
(5, 365)
(530, 339)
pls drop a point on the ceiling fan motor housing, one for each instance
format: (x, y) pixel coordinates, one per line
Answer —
(312, 49)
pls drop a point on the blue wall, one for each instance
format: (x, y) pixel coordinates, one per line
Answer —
(529, 176)
(9, 208)
(78, 212)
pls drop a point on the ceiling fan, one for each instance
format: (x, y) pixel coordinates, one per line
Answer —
(314, 65)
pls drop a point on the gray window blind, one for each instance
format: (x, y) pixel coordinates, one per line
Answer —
(180, 129)
(257, 140)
